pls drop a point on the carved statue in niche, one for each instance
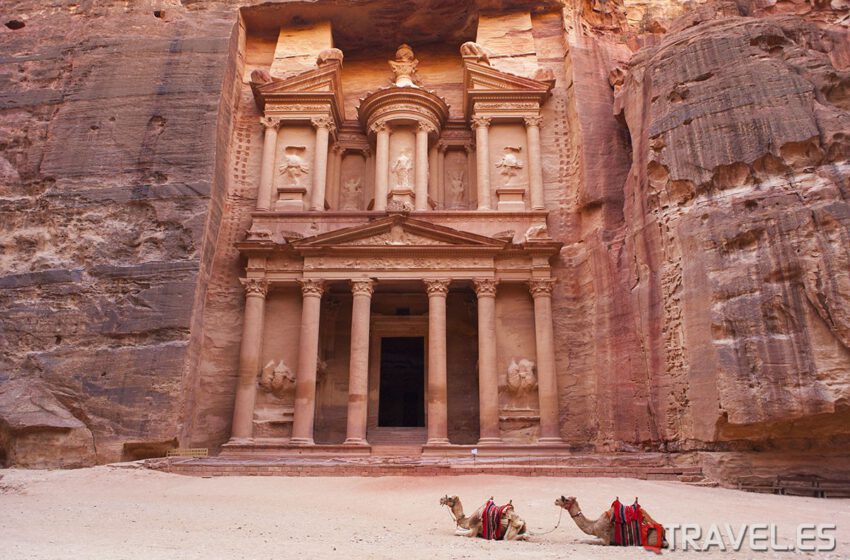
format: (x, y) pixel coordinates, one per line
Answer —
(509, 165)
(402, 169)
(457, 189)
(352, 191)
(277, 379)
(294, 167)
(404, 67)
(521, 382)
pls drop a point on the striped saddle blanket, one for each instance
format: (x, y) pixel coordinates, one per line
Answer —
(627, 522)
(492, 520)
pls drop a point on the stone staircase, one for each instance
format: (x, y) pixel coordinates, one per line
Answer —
(397, 442)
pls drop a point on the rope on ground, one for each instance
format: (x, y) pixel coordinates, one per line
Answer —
(553, 528)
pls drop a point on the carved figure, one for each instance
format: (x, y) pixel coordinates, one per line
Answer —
(510, 164)
(537, 232)
(457, 188)
(277, 380)
(260, 77)
(294, 167)
(328, 55)
(404, 66)
(521, 378)
(513, 526)
(473, 49)
(602, 526)
(352, 189)
(402, 169)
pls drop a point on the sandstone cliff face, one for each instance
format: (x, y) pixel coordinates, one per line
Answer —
(108, 119)
(726, 280)
(704, 294)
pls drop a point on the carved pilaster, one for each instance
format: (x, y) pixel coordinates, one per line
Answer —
(437, 286)
(485, 287)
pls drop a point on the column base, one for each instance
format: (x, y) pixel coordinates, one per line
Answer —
(437, 442)
(550, 441)
(301, 441)
(356, 441)
(490, 441)
(240, 441)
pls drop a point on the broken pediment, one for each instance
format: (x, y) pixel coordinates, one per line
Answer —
(319, 88)
(485, 84)
(398, 231)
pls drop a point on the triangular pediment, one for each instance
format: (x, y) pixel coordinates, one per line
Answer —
(399, 232)
(480, 77)
(326, 79)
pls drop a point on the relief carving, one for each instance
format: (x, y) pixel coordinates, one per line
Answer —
(457, 189)
(471, 49)
(520, 384)
(278, 379)
(294, 167)
(538, 232)
(509, 165)
(352, 194)
(329, 55)
(402, 169)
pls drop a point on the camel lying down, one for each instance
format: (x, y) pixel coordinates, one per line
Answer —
(603, 526)
(512, 527)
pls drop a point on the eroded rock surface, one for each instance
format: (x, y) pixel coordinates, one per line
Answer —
(696, 168)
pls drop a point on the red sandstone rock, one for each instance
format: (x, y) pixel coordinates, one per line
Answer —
(704, 296)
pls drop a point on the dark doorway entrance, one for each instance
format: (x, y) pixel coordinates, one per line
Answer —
(402, 393)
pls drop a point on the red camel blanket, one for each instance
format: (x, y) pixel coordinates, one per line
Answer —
(492, 519)
(630, 528)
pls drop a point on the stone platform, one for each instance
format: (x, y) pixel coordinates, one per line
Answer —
(644, 466)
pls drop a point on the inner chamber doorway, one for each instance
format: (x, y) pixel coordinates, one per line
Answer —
(401, 403)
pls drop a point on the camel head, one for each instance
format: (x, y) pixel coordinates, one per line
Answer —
(566, 503)
(448, 501)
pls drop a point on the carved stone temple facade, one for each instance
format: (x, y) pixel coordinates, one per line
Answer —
(397, 265)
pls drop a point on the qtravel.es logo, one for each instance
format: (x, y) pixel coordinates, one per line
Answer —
(754, 537)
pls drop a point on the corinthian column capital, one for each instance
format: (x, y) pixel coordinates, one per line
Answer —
(485, 287)
(364, 286)
(255, 286)
(324, 121)
(541, 286)
(312, 287)
(437, 286)
(478, 122)
(270, 122)
(533, 121)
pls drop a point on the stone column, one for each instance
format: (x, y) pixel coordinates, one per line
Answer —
(358, 373)
(438, 425)
(308, 353)
(488, 378)
(547, 383)
(535, 162)
(482, 157)
(264, 192)
(420, 185)
(249, 359)
(382, 164)
(442, 148)
(323, 126)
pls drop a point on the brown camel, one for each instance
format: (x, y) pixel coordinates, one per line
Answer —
(603, 526)
(513, 526)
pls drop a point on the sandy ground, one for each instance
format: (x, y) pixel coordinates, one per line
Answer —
(117, 512)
